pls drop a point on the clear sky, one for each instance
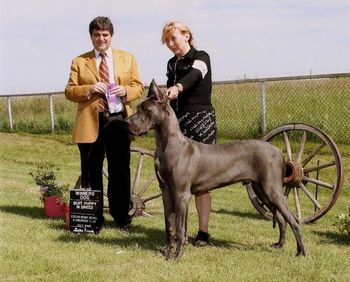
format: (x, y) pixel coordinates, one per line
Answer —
(245, 38)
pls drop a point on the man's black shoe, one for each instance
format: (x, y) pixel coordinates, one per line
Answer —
(123, 226)
(101, 221)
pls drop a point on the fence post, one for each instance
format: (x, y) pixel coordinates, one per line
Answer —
(9, 110)
(52, 117)
(263, 106)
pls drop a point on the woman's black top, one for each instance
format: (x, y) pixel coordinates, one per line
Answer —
(193, 71)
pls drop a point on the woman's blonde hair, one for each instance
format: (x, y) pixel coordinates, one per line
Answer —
(172, 26)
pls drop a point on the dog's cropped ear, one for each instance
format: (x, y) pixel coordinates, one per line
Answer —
(155, 92)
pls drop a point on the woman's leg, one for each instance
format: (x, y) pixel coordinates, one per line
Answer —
(203, 206)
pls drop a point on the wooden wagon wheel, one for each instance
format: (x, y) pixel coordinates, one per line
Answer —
(144, 185)
(313, 175)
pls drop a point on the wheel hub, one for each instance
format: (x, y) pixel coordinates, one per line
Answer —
(137, 205)
(293, 174)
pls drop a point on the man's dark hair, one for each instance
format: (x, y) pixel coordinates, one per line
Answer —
(101, 23)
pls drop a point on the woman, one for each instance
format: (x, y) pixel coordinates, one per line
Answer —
(189, 89)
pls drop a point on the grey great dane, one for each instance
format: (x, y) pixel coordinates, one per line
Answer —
(185, 167)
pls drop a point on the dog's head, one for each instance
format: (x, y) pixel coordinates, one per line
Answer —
(150, 112)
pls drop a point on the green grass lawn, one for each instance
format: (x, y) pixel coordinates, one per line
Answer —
(35, 248)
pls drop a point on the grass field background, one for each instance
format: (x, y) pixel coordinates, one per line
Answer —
(35, 248)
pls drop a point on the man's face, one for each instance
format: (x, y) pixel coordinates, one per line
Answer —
(101, 40)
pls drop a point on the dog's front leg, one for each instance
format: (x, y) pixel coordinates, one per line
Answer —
(182, 201)
(170, 219)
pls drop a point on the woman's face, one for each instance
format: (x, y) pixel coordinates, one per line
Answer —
(178, 43)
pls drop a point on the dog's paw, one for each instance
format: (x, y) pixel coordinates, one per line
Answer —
(168, 251)
(179, 251)
(301, 252)
(277, 245)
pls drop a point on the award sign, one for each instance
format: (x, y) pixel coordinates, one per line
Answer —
(84, 206)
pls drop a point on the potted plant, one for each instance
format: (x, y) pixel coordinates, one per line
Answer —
(51, 192)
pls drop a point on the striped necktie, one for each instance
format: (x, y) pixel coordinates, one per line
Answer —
(104, 76)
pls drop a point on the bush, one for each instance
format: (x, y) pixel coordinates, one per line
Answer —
(45, 177)
(343, 223)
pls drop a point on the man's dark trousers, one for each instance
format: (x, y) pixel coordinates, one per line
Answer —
(112, 142)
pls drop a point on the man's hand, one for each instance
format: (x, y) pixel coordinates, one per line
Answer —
(98, 87)
(118, 90)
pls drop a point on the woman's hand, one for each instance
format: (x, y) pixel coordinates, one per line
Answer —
(174, 91)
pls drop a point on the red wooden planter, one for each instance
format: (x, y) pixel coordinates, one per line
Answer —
(53, 207)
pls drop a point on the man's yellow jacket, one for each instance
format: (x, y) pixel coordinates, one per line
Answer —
(84, 73)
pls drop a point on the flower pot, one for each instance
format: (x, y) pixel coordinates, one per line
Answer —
(53, 207)
(67, 212)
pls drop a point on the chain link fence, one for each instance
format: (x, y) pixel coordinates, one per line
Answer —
(250, 108)
(244, 108)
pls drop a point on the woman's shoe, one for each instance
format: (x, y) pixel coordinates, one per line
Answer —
(202, 239)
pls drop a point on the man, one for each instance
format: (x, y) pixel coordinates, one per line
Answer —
(98, 130)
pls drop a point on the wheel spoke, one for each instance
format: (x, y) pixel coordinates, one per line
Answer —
(145, 200)
(287, 191)
(147, 184)
(301, 148)
(318, 182)
(319, 167)
(310, 196)
(137, 173)
(288, 149)
(297, 202)
(309, 157)
(146, 214)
